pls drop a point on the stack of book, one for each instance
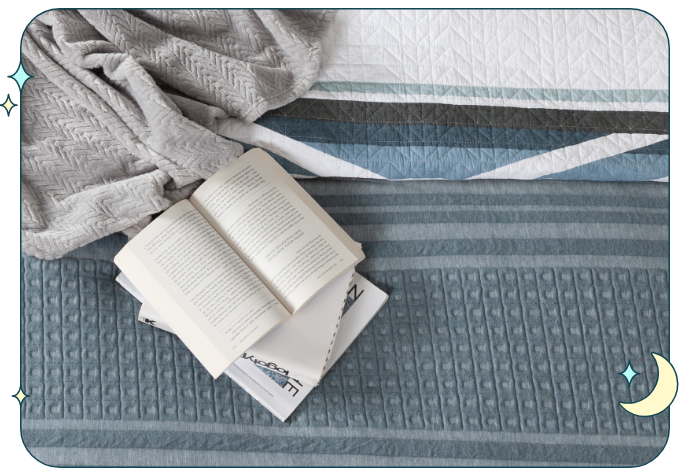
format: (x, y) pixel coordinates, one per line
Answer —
(255, 278)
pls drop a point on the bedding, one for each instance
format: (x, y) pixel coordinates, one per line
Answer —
(117, 122)
(470, 94)
(127, 109)
(516, 297)
(513, 307)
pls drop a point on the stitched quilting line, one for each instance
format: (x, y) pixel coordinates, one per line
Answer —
(477, 394)
(492, 344)
(453, 352)
(547, 347)
(510, 350)
(654, 300)
(630, 287)
(597, 310)
(415, 277)
(529, 344)
(572, 275)
(645, 340)
(617, 317)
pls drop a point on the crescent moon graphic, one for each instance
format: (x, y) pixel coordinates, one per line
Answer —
(661, 396)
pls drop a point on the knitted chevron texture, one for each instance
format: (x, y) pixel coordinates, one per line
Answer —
(118, 123)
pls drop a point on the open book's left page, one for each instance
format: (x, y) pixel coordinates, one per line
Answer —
(210, 298)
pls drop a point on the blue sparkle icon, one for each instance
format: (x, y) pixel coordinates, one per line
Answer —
(629, 373)
(20, 76)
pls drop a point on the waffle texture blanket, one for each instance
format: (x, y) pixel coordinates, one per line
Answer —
(117, 123)
(513, 307)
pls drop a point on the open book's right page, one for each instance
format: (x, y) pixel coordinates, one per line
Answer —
(277, 229)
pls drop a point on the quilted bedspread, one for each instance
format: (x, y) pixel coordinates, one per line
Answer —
(513, 307)
(463, 94)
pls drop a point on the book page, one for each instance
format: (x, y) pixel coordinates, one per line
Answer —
(208, 295)
(276, 227)
(303, 344)
(300, 347)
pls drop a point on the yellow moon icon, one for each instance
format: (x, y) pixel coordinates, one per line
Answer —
(661, 396)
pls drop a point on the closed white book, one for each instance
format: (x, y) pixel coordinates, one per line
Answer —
(298, 348)
(268, 380)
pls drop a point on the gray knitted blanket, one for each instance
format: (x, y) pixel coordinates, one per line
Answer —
(118, 123)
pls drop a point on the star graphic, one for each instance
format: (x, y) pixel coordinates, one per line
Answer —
(8, 105)
(20, 396)
(629, 373)
(20, 76)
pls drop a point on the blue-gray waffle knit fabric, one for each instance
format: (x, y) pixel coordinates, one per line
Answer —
(513, 307)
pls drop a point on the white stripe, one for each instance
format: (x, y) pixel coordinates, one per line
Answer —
(551, 49)
(573, 156)
(317, 162)
(661, 180)
(485, 101)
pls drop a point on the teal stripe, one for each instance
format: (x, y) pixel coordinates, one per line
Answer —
(464, 197)
(358, 219)
(353, 446)
(575, 95)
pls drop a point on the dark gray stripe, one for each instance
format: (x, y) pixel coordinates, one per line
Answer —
(514, 188)
(475, 116)
(500, 217)
(525, 452)
(530, 247)
(490, 200)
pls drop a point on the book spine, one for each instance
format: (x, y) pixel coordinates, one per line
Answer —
(337, 325)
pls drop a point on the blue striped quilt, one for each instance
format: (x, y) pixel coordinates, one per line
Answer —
(463, 94)
(514, 305)
(513, 308)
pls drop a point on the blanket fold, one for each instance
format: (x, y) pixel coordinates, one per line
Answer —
(118, 121)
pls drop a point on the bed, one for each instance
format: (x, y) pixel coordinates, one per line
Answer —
(465, 94)
(525, 272)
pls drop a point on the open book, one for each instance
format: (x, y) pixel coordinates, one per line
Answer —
(247, 250)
